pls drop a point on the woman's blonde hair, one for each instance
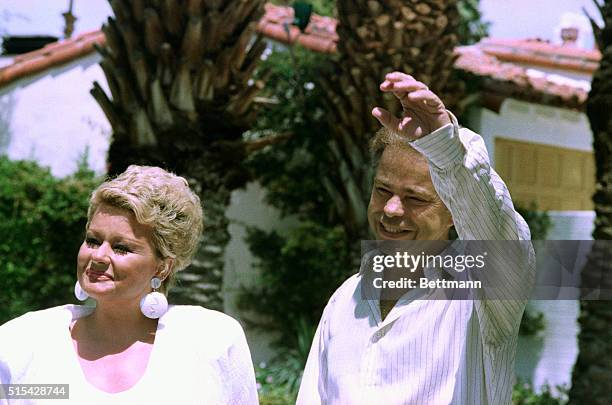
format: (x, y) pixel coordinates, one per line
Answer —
(161, 200)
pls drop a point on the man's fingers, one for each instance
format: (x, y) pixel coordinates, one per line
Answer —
(398, 81)
(423, 111)
(404, 86)
(401, 89)
(403, 123)
(391, 122)
(398, 76)
(386, 119)
(426, 97)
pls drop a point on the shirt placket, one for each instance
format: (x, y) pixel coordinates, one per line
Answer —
(371, 376)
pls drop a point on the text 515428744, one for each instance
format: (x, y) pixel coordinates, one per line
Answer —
(34, 391)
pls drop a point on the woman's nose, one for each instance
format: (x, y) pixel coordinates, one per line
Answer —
(100, 254)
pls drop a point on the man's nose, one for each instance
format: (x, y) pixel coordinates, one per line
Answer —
(393, 207)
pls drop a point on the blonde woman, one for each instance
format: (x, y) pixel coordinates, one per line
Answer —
(132, 348)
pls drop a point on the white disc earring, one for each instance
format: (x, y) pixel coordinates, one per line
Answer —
(79, 293)
(154, 305)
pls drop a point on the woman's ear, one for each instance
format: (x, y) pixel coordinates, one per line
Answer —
(165, 268)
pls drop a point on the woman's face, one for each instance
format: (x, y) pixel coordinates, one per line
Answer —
(117, 259)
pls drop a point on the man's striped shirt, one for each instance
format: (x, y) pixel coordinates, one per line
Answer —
(431, 351)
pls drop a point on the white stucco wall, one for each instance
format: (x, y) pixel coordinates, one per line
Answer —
(247, 208)
(571, 225)
(5, 60)
(549, 357)
(52, 118)
(527, 122)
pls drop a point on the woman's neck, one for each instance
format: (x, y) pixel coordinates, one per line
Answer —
(122, 323)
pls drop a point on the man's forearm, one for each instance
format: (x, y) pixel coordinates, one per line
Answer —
(474, 193)
(482, 209)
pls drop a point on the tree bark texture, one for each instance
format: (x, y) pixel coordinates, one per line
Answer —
(592, 375)
(376, 38)
(181, 94)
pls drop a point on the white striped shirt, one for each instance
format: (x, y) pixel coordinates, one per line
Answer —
(430, 351)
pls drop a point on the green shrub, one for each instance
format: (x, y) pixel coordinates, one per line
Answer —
(278, 383)
(539, 224)
(299, 273)
(42, 220)
(539, 221)
(524, 394)
(276, 396)
(321, 7)
(471, 26)
(532, 322)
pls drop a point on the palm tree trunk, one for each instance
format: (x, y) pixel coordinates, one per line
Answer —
(592, 376)
(375, 38)
(180, 98)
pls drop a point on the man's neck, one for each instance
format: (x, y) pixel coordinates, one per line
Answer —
(388, 296)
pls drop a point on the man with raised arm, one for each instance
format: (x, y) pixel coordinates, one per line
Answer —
(430, 176)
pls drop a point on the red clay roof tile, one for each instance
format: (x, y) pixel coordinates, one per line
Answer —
(525, 83)
(319, 36)
(51, 55)
(542, 53)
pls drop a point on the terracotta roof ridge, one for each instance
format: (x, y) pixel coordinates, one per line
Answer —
(522, 82)
(50, 55)
(59, 44)
(320, 34)
(545, 47)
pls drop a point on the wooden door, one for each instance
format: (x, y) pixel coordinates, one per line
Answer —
(554, 178)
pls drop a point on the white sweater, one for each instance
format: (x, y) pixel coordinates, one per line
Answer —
(199, 356)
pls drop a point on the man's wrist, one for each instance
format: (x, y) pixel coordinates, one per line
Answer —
(442, 120)
(442, 147)
(453, 121)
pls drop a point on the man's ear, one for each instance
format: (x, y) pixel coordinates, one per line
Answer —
(450, 223)
(452, 232)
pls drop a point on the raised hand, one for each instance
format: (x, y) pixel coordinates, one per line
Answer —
(423, 113)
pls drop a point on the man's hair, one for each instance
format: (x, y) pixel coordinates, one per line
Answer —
(385, 137)
(164, 202)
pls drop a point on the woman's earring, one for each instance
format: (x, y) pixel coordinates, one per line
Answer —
(79, 293)
(154, 305)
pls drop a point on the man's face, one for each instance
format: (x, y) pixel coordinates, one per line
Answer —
(404, 204)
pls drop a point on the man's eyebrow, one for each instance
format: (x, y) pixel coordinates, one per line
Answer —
(382, 182)
(129, 241)
(410, 190)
